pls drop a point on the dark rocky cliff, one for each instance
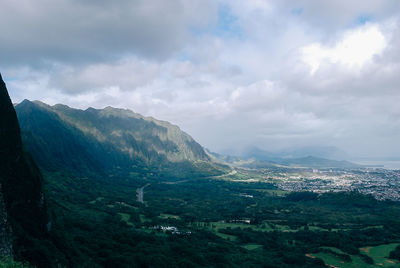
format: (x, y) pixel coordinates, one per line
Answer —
(22, 197)
(5, 230)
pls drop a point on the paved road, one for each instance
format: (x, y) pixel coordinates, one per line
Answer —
(233, 172)
(140, 193)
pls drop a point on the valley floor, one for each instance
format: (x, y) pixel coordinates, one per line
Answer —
(244, 218)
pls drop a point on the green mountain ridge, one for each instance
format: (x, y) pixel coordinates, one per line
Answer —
(96, 140)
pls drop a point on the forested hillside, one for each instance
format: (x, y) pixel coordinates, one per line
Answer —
(97, 141)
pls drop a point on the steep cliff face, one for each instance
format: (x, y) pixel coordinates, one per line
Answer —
(126, 132)
(21, 185)
(5, 230)
(61, 137)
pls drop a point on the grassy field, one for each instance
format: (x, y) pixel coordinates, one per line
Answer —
(273, 192)
(169, 216)
(217, 228)
(252, 246)
(379, 254)
(98, 199)
(126, 218)
(227, 236)
(143, 218)
(265, 227)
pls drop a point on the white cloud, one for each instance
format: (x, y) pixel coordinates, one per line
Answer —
(356, 48)
(239, 79)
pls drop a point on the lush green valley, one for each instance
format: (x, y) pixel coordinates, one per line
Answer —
(212, 223)
(127, 191)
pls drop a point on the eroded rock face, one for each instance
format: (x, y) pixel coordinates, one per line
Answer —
(5, 231)
(21, 182)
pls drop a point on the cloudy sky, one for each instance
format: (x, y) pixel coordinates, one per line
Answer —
(276, 74)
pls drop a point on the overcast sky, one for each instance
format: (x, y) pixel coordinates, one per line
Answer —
(275, 74)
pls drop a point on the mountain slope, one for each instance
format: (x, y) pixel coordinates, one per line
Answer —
(21, 185)
(99, 140)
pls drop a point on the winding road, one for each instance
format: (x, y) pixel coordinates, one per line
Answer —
(140, 194)
(233, 172)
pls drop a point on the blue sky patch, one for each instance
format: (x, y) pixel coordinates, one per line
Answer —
(10, 79)
(363, 19)
(226, 27)
(297, 11)
(227, 23)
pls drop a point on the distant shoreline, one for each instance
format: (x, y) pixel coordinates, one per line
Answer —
(379, 164)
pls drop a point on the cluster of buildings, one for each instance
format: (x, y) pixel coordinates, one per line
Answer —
(171, 229)
(383, 184)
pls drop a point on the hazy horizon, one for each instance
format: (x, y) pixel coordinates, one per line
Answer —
(276, 75)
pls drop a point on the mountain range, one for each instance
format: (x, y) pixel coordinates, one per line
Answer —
(256, 161)
(101, 140)
(119, 141)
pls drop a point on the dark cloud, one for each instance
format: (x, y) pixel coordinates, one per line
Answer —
(34, 32)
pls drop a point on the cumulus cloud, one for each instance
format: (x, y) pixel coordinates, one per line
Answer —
(271, 74)
(354, 50)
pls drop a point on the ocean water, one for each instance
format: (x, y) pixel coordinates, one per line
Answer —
(384, 164)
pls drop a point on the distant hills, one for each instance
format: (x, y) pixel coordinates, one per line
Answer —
(317, 162)
(327, 152)
(264, 160)
(100, 140)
